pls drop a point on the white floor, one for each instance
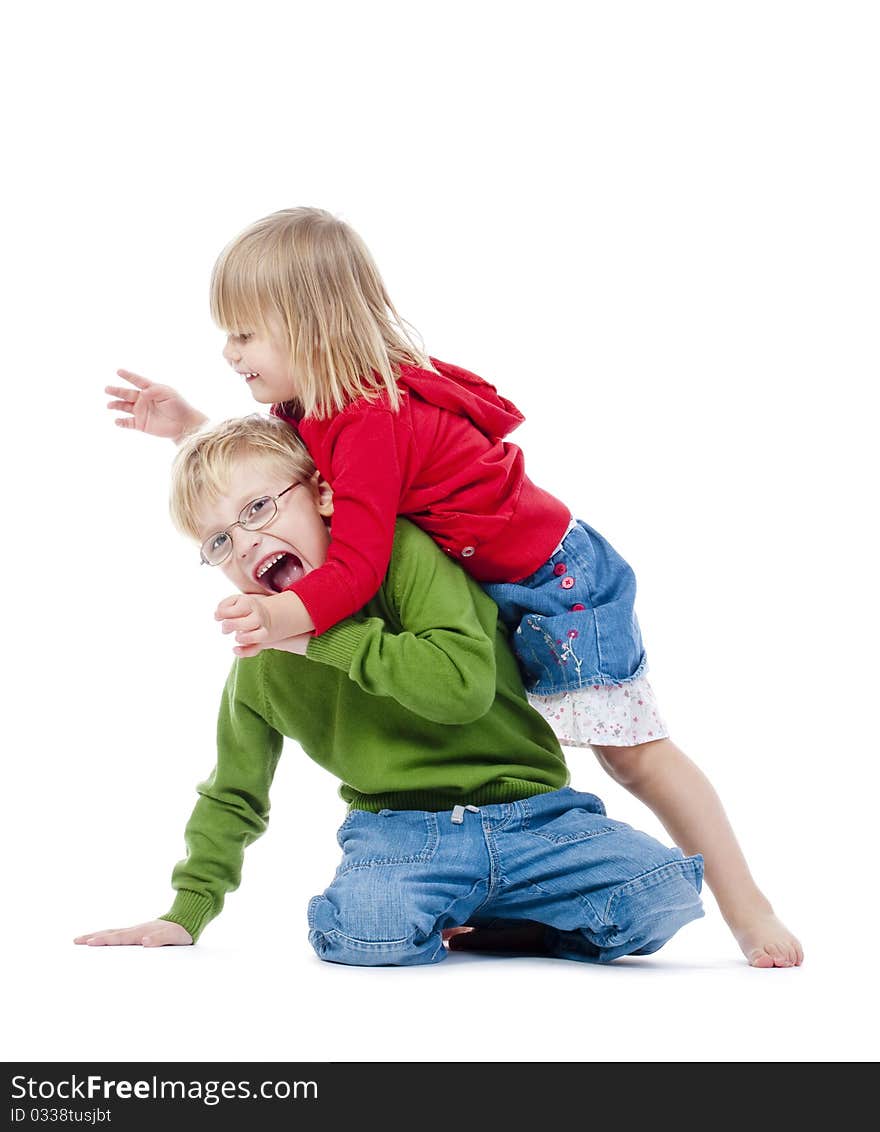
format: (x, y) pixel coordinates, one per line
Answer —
(693, 1001)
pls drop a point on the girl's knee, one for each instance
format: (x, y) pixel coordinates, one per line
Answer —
(629, 765)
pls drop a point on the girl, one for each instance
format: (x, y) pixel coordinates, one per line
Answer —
(313, 333)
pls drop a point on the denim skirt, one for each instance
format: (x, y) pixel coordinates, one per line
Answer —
(573, 621)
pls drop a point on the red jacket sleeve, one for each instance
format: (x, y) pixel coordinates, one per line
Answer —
(358, 453)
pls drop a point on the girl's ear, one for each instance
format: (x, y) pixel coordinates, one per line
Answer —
(325, 496)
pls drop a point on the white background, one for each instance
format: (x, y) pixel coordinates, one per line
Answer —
(655, 226)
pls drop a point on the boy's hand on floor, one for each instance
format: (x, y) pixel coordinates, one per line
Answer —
(259, 622)
(153, 933)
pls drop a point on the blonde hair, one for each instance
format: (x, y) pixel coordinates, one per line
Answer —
(345, 338)
(204, 463)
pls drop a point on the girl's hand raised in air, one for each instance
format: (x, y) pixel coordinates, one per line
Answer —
(154, 933)
(155, 409)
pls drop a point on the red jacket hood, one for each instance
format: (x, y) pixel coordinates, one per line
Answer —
(462, 392)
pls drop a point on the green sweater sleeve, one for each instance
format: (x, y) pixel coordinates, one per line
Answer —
(233, 806)
(432, 648)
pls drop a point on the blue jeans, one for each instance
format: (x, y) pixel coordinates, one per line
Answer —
(602, 889)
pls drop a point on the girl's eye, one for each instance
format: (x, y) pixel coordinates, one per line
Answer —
(218, 542)
(244, 337)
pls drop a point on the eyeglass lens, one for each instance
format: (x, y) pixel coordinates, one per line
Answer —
(217, 547)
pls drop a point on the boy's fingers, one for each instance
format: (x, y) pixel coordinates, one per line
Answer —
(121, 406)
(249, 650)
(125, 422)
(121, 391)
(134, 378)
(91, 935)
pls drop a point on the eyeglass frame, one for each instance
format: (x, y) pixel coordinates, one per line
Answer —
(240, 522)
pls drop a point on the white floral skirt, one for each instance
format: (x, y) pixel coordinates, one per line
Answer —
(612, 715)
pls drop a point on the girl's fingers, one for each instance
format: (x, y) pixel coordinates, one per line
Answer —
(121, 391)
(250, 650)
(229, 606)
(125, 422)
(255, 636)
(134, 378)
(244, 624)
(121, 406)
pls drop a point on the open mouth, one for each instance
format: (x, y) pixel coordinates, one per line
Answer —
(250, 376)
(279, 571)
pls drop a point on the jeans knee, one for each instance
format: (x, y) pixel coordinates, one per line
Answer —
(337, 938)
(646, 912)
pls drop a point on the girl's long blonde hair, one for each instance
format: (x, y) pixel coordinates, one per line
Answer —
(313, 271)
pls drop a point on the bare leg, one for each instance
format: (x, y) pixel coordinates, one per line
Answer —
(664, 778)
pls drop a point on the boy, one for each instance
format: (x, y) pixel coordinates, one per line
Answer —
(459, 811)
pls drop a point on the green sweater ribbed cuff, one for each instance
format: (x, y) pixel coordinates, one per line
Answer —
(192, 911)
(338, 644)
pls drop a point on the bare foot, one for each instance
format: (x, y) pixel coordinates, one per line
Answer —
(767, 942)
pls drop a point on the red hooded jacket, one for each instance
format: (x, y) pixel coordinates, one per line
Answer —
(439, 461)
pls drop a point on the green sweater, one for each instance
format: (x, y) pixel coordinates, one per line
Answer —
(415, 703)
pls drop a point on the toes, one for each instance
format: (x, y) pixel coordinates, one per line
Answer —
(780, 954)
(774, 955)
(758, 957)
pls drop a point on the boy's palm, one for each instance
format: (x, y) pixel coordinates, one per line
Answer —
(155, 409)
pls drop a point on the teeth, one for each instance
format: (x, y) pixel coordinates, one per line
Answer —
(269, 563)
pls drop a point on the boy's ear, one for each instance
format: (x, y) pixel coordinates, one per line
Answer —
(325, 495)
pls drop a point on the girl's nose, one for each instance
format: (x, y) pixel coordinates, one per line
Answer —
(230, 353)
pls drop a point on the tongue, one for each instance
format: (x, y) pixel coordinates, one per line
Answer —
(288, 571)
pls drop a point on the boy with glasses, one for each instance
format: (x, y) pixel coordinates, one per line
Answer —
(459, 812)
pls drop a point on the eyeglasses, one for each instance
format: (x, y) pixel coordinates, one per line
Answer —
(258, 513)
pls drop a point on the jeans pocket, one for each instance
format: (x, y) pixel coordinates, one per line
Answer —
(577, 823)
(391, 837)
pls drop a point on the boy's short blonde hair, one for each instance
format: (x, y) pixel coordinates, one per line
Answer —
(203, 466)
(315, 273)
